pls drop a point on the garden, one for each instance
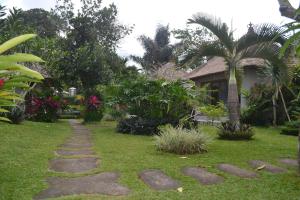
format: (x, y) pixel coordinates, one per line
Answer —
(78, 122)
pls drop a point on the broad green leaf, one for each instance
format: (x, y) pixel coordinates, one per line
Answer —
(15, 41)
(20, 57)
(16, 85)
(4, 119)
(20, 68)
(3, 110)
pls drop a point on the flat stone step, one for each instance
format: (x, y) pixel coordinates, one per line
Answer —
(104, 184)
(234, 170)
(62, 152)
(157, 180)
(266, 166)
(289, 162)
(74, 165)
(203, 176)
(76, 145)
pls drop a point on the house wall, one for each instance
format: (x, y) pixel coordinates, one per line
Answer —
(251, 76)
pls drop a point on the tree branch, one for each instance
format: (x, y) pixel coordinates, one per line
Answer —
(287, 10)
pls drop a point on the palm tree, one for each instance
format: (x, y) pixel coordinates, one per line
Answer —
(234, 51)
(280, 75)
(158, 51)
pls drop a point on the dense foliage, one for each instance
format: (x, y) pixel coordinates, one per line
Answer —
(15, 76)
(153, 102)
(180, 140)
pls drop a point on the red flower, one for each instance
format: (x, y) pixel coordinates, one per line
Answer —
(1, 83)
(94, 102)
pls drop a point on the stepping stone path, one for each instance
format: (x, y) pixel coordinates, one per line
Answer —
(203, 176)
(157, 180)
(104, 183)
(79, 145)
(74, 165)
(234, 170)
(81, 152)
(266, 166)
(289, 162)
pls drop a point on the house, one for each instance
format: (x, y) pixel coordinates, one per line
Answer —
(214, 73)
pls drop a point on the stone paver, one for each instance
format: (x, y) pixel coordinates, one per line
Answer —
(234, 170)
(203, 176)
(76, 145)
(74, 165)
(266, 166)
(104, 183)
(157, 180)
(289, 162)
(62, 152)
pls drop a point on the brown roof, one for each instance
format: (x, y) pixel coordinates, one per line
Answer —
(170, 72)
(217, 65)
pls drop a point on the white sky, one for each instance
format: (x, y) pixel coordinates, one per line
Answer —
(146, 14)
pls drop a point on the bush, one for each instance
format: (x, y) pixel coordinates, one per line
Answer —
(139, 126)
(180, 140)
(43, 109)
(94, 109)
(154, 102)
(233, 131)
(291, 128)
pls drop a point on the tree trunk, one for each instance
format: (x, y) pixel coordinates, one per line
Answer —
(274, 110)
(284, 105)
(287, 10)
(233, 98)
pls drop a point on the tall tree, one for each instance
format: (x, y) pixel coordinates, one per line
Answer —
(233, 51)
(158, 51)
(44, 23)
(87, 52)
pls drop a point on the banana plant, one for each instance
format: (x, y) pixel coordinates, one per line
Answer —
(14, 75)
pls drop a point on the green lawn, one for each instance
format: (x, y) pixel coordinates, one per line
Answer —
(130, 154)
(25, 151)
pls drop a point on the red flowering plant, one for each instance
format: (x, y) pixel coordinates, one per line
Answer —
(2, 81)
(43, 109)
(94, 109)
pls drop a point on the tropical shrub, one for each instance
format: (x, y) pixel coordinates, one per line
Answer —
(93, 109)
(15, 76)
(291, 128)
(180, 140)
(232, 131)
(43, 109)
(153, 102)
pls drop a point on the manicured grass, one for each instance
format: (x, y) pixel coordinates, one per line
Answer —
(25, 151)
(130, 154)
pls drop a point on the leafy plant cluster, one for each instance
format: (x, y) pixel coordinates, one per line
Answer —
(15, 76)
(232, 131)
(152, 103)
(93, 109)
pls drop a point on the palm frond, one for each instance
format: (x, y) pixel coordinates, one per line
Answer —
(216, 26)
(261, 34)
